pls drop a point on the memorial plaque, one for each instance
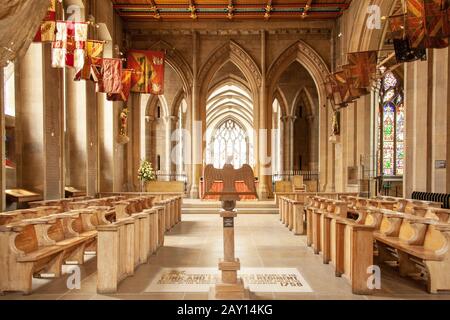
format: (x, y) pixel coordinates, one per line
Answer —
(228, 222)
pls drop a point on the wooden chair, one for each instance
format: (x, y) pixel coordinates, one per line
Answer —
(298, 184)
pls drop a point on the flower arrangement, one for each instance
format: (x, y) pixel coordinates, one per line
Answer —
(146, 172)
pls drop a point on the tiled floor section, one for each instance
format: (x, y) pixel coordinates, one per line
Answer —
(261, 241)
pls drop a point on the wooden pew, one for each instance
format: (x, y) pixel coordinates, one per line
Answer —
(115, 254)
(153, 230)
(298, 217)
(66, 230)
(24, 253)
(22, 214)
(345, 243)
(418, 245)
(161, 223)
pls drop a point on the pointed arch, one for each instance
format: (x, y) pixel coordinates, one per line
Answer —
(153, 102)
(279, 95)
(233, 52)
(312, 61)
(308, 58)
(305, 96)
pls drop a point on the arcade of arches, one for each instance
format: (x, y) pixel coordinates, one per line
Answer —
(248, 91)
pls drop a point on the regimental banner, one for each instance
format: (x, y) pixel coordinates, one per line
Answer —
(47, 29)
(149, 67)
(362, 67)
(397, 26)
(427, 24)
(404, 53)
(126, 87)
(92, 61)
(437, 27)
(69, 47)
(111, 79)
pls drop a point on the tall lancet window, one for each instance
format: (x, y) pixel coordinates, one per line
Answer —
(391, 128)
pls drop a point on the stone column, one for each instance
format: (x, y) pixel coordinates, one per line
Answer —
(264, 151)
(92, 140)
(196, 132)
(150, 140)
(285, 144)
(29, 117)
(53, 128)
(440, 121)
(291, 123)
(417, 127)
(171, 122)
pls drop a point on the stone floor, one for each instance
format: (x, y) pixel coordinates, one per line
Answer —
(261, 241)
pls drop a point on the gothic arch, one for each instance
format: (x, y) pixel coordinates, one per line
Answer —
(153, 102)
(308, 58)
(233, 52)
(181, 94)
(176, 60)
(305, 96)
(279, 95)
(318, 69)
(229, 79)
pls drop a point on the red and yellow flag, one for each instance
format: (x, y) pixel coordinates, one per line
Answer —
(111, 79)
(92, 61)
(126, 87)
(149, 67)
(47, 29)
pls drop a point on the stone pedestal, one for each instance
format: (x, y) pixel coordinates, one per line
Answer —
(229, 287)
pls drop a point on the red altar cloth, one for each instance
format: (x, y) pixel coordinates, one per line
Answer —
(218, 186)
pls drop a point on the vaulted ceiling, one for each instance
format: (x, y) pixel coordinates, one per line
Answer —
(150, 10)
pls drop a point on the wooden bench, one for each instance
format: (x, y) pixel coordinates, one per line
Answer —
(115, 254)
(68, 231)
(153, 230)
(25, 253)
(161, 223)
(22, 214)
(418, 246)
(344, 243)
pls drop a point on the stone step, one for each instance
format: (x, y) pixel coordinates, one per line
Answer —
(240, 211)
(260, 204)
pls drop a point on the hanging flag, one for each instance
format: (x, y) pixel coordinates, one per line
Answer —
(126, 87)
(149, 67)
(362, 67)
(437, 27)
(92, 61)
(397, 26)
(338, 89)
(427, 24)
(68, 49)
(404, 53)
(46, 32)
(111, 76)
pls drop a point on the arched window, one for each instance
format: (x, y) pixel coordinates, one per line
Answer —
(229, 140)
(391, 128)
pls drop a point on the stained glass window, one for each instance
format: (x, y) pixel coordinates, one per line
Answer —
(229, 141)
(391, 128)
